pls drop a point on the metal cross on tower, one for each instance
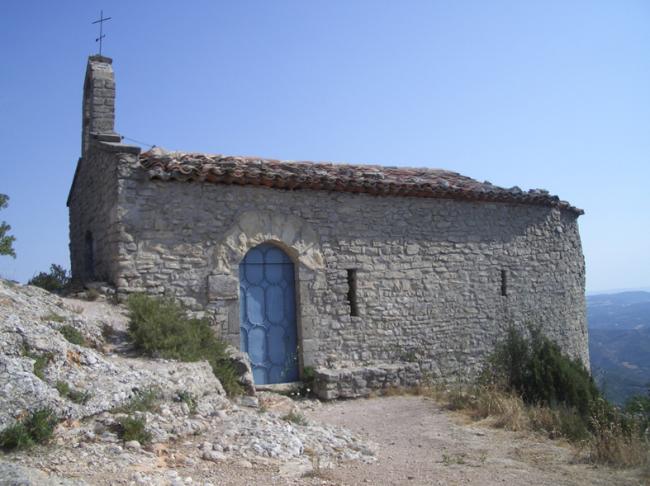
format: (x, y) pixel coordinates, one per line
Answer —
(101, 29)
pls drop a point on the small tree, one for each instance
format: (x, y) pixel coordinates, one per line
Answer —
(55, 281)
(6, 241)
(538, 370)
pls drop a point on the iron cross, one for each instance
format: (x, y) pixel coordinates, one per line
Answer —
(101, 29)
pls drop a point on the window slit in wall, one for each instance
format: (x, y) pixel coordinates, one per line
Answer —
(504, 283)
(352, 292)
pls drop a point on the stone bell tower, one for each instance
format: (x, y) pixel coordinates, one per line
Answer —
(92, 200)
(98, 120)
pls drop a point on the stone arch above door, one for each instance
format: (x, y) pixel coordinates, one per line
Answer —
(294, 235)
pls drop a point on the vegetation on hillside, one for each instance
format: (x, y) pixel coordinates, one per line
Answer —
(536, 369)
(133, 428)
(72, 335)
(36, 428)
(529, 384)
(159, 327)
(56, 280)
(6, 241)
(76, 396)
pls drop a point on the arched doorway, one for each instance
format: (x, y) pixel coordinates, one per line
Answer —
(268, 331)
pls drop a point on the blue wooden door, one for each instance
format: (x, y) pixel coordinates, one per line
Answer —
(268, 314)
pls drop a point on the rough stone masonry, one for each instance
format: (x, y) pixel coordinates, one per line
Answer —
(399, 273)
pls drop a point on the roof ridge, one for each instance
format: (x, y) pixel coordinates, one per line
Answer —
(355, 178)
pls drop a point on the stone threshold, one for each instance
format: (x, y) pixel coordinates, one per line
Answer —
(282, 388)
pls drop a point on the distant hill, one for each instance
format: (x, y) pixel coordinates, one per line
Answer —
(627, 310)
(619, 342)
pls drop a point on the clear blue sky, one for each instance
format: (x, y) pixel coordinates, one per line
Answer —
(550, 94)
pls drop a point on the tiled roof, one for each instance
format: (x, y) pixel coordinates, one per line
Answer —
(369, 179)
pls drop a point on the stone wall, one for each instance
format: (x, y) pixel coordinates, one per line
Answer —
(429, 271)
(93, 211)
(96, 205)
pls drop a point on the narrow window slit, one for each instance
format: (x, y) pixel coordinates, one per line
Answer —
(352, 292)
(504, 283)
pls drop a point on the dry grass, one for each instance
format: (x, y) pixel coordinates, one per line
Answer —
(501, 410)
(296, 418)
(543, 419)
(557, 423)
(317, 470)
(398, 391)
(506, 410)
(393, 391)
(607, 443)
(611, 445)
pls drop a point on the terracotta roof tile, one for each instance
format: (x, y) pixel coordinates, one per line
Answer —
(370, 179)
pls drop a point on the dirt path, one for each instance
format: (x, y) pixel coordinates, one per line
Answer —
(419, 444)
(416, 443)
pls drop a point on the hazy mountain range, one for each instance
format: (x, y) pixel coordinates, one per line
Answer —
(619, 342)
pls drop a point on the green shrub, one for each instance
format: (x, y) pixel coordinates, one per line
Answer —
(295, 418)
(6, 241)
(40, 425)
(409, 356)
(36, 428)
(40, 363)
(108, 331)
(63, 388)
(638, 404)
(132, 428)
(460, 397)
(15, 437)
(159, 327)
(223, 369)
(72, 335)
(40, 360)
(565, 402)
(557, 379)
(57, 280)
(142, 401)
(528, 384)
(76, 396)
(52, 317)
(506, 366)
(537, 369)
(189, 399)
(572, 425)
(92, 295)
(307, 382)
(638, 408)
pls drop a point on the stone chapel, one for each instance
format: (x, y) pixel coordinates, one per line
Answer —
(373, 276)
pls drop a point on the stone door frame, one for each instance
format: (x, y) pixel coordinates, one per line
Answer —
(300, 241)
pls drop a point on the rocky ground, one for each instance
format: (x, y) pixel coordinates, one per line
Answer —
(198, 434)
(210, 439)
